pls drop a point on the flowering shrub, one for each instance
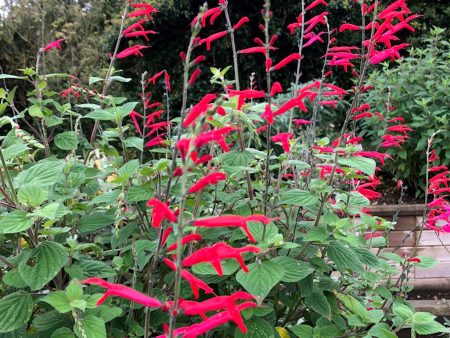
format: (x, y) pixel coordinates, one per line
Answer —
(218, 221)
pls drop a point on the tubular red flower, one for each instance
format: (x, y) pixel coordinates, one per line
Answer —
(166, 234)
(199, 59)
(240, 23)
(122, 291)
(233, 221)
(195, 283)
(246, 94)
(283, 138)
(139, 33)
(133, 50)
(268, 114)
(199, 109)
(160, 212)
(216, 253)
(194, 76)
(185, 240)
(212, 38)
(361, 116)
(287, 60)
(349, 27)
(52, 45)
(276, 88)
(299, 122)
(216, 135)
(316, 3)
(212, 178)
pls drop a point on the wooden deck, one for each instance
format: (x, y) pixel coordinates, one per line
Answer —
(409, 217)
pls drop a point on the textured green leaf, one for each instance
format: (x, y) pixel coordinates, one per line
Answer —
(302, 331)
(298, 197)
(14, 222)
(256, 328)
(138, 193)
(100, 114)
(92, 268)
(43, 173)
(59, 300)
(95, 221)
(261, 278)
(14, 150)
(93, 327)
(318, 303)
(39, 265)
(430, 328)
(134, 142)
(32, 195)
(48, 320)
(344, 257)
(52, 211)
(366, 165)
(15, 311)
(62, 332)
(124, 110)
(294, 270)
(229, 267)
(319, 233)
(67, 140)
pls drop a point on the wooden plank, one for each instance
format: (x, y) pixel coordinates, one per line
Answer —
(431, 284)
(401, 238)
(404, 209)
(436, 307)
(429, 238)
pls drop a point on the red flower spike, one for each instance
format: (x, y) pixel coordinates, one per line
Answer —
(372, 235)
(135, 26)
(211, 179)
(199, 59)
(216, 135)
(233, 221)
(199, 109)
(268, 115)
(122, 291)
(160, 212)
(349, 27)
(414, 260)
(276, 88)
(165, 235)
(183, 147)
(158, 140)
(134, 50)
(185, 240)
(287, 60)
(216, 253)
(268, 64)
(240, 23)
(299, 122)
(212, 38)
(361, 116)
(52, 45)
(139, 33)
(316, 3)
(194, 76)
(195, 283)
(246, 94)
(283, 138)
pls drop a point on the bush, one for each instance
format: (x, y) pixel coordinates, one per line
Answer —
(232, 216)
(417, 90)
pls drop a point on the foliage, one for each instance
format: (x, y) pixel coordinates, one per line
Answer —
(222, 200)
(417, 90)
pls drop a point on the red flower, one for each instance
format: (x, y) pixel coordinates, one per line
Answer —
(241, 22)
(199, 109)
(139, 33)
(361, 116)
(246, 94)
(316, 3)
(134, 50)
(53, 44)
(372, 235)
(349, 26)
(414, 260)
(233, 221)
(146, 10)
(212, 178)
(268, 114)
(287, 60)
(194, 76)
(135, 26)
(133, 116)
(216, 253)
(292, 103)
(185, 240)
(276, 88)
(216, 135)
(212, 38)
(194, 282)
(160, 212)
(283, 138)
(299, 122)
(122, 291)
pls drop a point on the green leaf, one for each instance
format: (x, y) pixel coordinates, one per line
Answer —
(42, 173)
(256, 328)
(93, 327)
(294, 270)
(48, 320)
(13, 278)
(430, 328)
(74, 291)
(52, 211)
(319, 233)
(235, 158)
(344, 257)
(126, 171)
(302, 331)
(14, 150)
(92, 268)
(298, 197)
(318, 303)
(381, 330)
(261, 278)
(134, 142)
(38, 266)
(124, 110)
(138, 193)
(35, 111)
(67, 140)
(120, 78)
(94, 79)
(8, 76)
(15, 311)
(366, 165)
(32, 195)
(426, 262)
(100, 114)
(59, 300)
(14, 222)
(62, 332)
(366, 257)
(403, 311)
(95, 221)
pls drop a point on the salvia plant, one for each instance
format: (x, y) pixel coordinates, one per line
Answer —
(226, 216)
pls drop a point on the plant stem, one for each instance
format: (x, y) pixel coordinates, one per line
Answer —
(8, 177)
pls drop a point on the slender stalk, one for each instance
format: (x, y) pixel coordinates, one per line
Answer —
(8, 178)
(144, 115)
(107, 81)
